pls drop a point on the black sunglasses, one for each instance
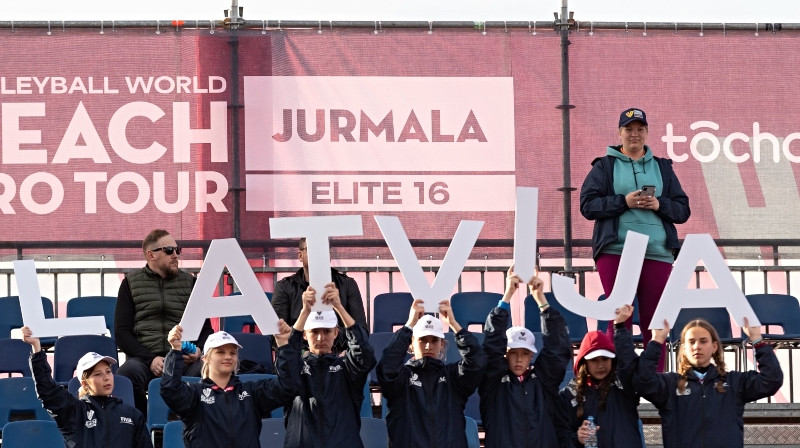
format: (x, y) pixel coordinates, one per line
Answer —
(168, 250)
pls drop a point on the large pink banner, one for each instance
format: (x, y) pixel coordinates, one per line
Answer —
(106, 136)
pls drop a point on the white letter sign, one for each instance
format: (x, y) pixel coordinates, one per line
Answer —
(202, 303)
(317, 230)
(726, 295)
(630, 268)
(525, 224)
(30, 303)
(452, 265)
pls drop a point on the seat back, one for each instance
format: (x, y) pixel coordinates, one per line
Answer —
(18, 401)
(451, 353)
(173, 435)
(576, 324)
(378, 341)
(374, 433)
(69, 349)
(471, 428)
(717, 317)
(256, 348)
(777, 309)
(94, 306)
(472, 308)
(123, 388)
(14, 356)
(237, 324)
(11, 317)
(273, 431)
(158, 413)
(32, 433)
(366, 403)
(390, 309)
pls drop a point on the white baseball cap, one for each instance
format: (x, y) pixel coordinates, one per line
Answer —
(321, 319)
(521, 337)
(428, 325)
(219, 339)
(90, 360)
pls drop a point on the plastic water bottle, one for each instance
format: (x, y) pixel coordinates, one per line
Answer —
(591, 441)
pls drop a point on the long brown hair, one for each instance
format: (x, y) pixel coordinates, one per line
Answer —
(582, 383)
(685, 367)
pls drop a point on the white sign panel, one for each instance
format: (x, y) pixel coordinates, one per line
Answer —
(202, 303)
(525, 226)
(30, 302)
(317, 230)
(452, 265)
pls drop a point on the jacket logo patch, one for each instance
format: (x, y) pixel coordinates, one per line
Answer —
(243, 395)
(335, 368)
(505, 379)
(442, 379)
(207, 397)
(306, 369)
(126, 420)
(685, 392)
(414, 380)
(91, 422)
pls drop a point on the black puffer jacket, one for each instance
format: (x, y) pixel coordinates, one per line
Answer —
(89, 421)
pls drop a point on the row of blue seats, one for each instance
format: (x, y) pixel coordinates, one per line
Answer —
(45, 434)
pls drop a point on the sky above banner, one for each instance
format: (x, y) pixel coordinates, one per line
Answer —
(730, 11)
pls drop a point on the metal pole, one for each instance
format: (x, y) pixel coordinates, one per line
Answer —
(234, 24)
(565, 106)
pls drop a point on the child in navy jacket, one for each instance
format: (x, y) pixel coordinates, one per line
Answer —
(602, 388)
(703, 395)
(425, 396)
(516, 398)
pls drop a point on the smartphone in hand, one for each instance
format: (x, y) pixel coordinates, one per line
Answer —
(648, 191)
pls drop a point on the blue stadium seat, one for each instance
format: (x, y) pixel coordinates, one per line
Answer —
(94, 306)
(273, 431)
(390, 309)
(11, 317)
(374, 433)
(366, 403)
(173, 435)
(780, 310)
(14, 358)
(123, 388)
(378, 341)
(32, 433)
(158, 413)
(238, 324)
(472, 308)
(718, 318)
(472, 433)
(18, 401)
(256, 348)
(576, 324)
(69, 349)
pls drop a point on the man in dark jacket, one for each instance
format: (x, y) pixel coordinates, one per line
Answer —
(517, 399)
(151, 301)
(288, 302)
(326, 412)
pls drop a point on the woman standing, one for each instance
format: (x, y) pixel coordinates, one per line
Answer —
(631, 189)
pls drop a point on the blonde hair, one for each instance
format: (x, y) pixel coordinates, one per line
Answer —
(685, 366)
(204, 369)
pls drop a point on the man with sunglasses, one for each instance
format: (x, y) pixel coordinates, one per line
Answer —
(151, 301)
